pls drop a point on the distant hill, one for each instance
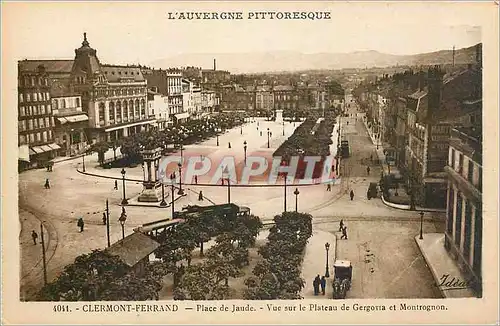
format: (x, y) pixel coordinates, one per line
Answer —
(296, 61)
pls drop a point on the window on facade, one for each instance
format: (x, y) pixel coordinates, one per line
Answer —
(458, 220)
(41, 123)
(470, 170)
(44, 136)
(52, 121)
(35, 123)
(21, 98)
(111, 111)
(32, 81)
(32, 138)
(28, 97)
(101, 112)
(63, 103)
(38, 137)
(30, 124)
(50, 135)
(22, 139)
(449, 223)
(467, 229)
(47, 122)
(42, 108)
(461, 163)
(452, 164)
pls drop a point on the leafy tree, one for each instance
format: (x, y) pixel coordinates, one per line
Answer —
(100, 148)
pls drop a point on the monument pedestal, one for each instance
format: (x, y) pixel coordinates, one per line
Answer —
(151, 158)
(279, 116)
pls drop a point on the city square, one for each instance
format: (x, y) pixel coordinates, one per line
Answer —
(141, 183)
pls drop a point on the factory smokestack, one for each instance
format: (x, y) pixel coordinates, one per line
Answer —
(215, 66)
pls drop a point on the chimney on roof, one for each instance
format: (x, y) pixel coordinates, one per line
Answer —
(215, 66)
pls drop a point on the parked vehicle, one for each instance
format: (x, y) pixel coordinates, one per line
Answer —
(372, 190)
(342, 278)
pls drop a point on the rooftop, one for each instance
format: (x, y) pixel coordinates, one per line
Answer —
(133, 248)
(50, 66)
(116, 73)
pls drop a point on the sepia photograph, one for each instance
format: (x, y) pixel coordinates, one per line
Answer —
(259, 151)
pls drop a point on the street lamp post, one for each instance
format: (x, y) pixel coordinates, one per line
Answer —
(245, 150)
(284, 188)
(124, 200)
(122, 219)
(83, 161)
(283, 128)
(163, 203)
(269, 133)
(327, 272)
(421, 224)
(172, 179)
(241, 130)
(181, 192)
(218, 130)
(296, 193)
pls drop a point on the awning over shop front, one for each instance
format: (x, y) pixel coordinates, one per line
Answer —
(73, 118)
(43, 148)
(184, 115)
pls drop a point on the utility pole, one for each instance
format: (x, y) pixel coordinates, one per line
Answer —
(107, 223)
(43, 256)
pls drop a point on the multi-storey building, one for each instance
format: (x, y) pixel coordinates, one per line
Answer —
(175, 95)
(285, 98)
(264, 99)
(196, 98)
(158, 108)
(464, 222)
(208, 101)
(35, 121)
(70, 123)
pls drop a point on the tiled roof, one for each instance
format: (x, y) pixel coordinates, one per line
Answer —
(115, 73)
(51, 66)
(133, 248)
(283, 88)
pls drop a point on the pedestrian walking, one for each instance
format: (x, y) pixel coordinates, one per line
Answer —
(200, 196)
(34, 236)
(104, 219)
(371, 157)
(328, 187)
(116, 184)
(229, 145)
(80, 224)
(316, 284)
(196, 179)
(351, 194)
(368, 170)
(261, 132)
(344, 233)
(323, 285)
(341, 225)
(47, 184)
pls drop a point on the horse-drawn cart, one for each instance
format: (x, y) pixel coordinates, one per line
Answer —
(342, 278)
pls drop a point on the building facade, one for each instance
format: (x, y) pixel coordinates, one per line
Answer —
(158, 108)
(464, 222)
(70, 124)
(36, 123)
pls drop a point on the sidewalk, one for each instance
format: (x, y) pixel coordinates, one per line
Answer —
(440, 264)
(314, 263)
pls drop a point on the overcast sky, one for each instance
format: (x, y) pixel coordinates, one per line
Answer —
(131, 33)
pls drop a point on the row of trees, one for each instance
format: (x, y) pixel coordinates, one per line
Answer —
(188, 133)
(277, 276)
(99, 276)
(208, 280)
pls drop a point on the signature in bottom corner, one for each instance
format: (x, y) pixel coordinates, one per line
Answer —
(448, 282)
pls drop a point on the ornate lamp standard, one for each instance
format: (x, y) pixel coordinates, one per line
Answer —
(163, 203)
(269, 134)
(181, 192)
(245, 150)
(327, 247)
(83, 161)
(421, 225)
(283, 128)
(124, 200)
(172, 179)
(296, 193)
(122, 219)
(226, 175)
